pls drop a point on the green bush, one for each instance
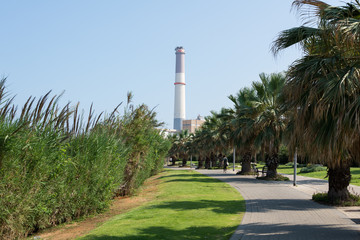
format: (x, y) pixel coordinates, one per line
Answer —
(52, 171)
(291, 164)
(313, 168)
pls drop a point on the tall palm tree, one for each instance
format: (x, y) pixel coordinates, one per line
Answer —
(241, 118)
(322, 88)
(258, 121)
(270, 121)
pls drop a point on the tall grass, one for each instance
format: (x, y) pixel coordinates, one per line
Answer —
(55, 166)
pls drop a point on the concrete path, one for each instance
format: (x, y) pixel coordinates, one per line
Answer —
(278, 210)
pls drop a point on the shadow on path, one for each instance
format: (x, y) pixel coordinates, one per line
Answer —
(266, 205)
(288, 231)
(183, 175)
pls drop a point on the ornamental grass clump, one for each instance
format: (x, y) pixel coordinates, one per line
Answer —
(54, 167)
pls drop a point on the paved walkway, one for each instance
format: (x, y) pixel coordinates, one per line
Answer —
(278, 210)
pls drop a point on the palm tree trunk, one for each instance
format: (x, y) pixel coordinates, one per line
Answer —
(184, 160)
(262, 152)
(214, 161)
(246, 163)
(200, 162)
(173, 160)
(207, 162)
(272, 162)
(339, 180)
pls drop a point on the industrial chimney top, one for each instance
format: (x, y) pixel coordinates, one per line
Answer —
(180, 49)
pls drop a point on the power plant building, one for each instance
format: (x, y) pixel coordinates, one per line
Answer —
(193, 124)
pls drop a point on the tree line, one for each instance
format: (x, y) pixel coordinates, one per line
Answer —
(312, 108)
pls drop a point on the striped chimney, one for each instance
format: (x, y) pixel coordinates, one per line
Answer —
(179, 108)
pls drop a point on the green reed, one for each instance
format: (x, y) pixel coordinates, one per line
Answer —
(57, 165)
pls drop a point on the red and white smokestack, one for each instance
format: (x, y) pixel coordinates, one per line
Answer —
(179, 109)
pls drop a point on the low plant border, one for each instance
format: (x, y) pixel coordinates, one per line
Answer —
(279, 177)
(322, 198)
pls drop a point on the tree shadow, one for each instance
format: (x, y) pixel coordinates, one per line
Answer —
(183, 175)
(256, 205)
(355, 172)
(252, 179)
(239, 179)
(225, 207)
(311, 181)
(261, 231)
(297, 231)
(195, 179)
(163, 233)
(269, 205)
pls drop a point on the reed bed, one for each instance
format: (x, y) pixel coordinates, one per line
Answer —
(57, 165)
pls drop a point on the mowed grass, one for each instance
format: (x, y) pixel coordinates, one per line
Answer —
(189, 206)
(355, 173)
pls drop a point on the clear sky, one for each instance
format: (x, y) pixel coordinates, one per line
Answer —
(97, 51)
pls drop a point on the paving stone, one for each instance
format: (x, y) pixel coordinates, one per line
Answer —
(278, 210)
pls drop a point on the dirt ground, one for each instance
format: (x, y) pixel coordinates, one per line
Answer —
(120, 205)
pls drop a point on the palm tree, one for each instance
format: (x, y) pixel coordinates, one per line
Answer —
(180, 148)
(240, 118)
(173, 151)
(220, 136)
(184, 144)
(322, 88)
(211, 142)
(199, 147)
(258, 121)
(226, 131)
(269, 121)
(210, 139)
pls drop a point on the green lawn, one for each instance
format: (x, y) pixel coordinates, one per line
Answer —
(189, 206)
(355, 173)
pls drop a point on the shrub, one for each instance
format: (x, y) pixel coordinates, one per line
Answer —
(313, 168)
(279, 177)
(291, 164)
(354, 200)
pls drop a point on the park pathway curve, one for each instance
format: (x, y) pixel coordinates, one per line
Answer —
(277, 210)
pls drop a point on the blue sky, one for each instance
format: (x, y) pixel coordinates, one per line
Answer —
(97, 51)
